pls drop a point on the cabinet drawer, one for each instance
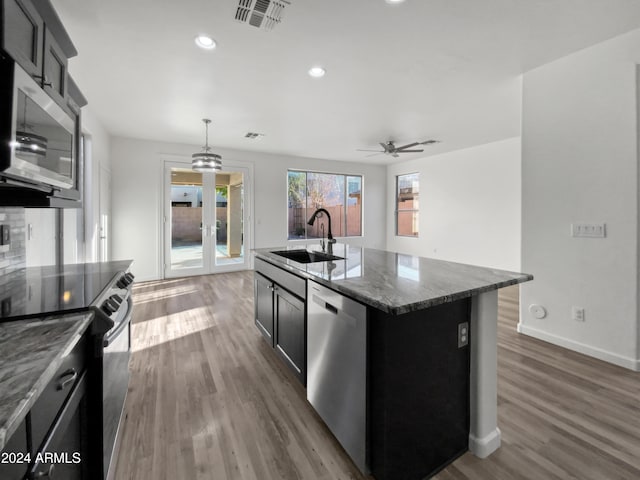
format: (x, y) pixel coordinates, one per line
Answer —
(66, 440)
(12, 459)
(46, 408)
(291, 282)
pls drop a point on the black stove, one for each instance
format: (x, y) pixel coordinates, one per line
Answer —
(104, 288)
(38, 291)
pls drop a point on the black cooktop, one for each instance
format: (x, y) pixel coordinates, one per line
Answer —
(36, 291)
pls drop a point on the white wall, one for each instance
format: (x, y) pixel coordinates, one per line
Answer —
(469, 206)
(137, 195)
(580, 163)
(97, 155)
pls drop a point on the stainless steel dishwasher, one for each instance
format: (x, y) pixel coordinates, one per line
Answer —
(337, 367)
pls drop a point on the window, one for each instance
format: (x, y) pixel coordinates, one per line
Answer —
(407, 204)
(340, 195)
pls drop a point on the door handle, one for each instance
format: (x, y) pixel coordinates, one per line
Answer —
(47, 474)
(331, 308)
(69, 377)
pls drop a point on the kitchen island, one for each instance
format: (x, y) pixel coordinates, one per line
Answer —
(429, 354)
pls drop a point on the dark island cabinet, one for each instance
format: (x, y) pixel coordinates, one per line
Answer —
(263, 290)
(280, 314)
(290, 330)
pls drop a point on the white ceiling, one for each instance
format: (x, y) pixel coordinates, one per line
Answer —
(444, 69)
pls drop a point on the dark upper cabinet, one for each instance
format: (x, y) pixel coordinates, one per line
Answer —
(23, 36)
(34, 37)
(55, 70)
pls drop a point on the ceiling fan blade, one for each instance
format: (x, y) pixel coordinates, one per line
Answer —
(410, 151)
(373, 154)
(408, 145)
(429, 142)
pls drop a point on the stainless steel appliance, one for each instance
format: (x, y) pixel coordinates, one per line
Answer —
(115, 303)
(337, 367)
(38, 145)
(104, 288)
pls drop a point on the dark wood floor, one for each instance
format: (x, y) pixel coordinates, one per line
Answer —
(208, 399)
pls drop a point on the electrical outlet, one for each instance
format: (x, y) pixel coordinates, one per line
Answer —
(463, 334)
(537, 311)
(577, 313)
(5, 234)
(5, 307)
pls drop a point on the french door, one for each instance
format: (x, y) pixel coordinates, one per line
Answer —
(206, 219)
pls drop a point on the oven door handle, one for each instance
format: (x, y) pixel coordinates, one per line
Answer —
(108, 340)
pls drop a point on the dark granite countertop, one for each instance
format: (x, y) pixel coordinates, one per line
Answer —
(394, 282)
(31, 351)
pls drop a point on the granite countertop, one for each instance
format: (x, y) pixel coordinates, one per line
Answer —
(394, 282)
(31, 351)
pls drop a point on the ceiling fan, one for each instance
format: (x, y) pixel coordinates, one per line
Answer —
(389, 148)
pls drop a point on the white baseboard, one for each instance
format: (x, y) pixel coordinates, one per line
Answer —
(485, 446)
(614, 358)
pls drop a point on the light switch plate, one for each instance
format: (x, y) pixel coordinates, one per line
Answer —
(591, 230)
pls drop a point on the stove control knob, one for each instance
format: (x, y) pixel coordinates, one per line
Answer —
(109, 307)
(117, 299)
(129, 277)
(122, 283)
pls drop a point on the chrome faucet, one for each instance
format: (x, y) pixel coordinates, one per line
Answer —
(330, 239)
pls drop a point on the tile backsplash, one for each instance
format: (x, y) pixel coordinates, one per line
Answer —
(13, 257)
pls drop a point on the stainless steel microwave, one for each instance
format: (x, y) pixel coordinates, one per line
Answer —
(40, 140)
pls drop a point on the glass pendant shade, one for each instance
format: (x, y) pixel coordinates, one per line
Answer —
(30, 143)
(205, 161)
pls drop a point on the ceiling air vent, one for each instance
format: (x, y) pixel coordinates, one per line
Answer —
(264, 14)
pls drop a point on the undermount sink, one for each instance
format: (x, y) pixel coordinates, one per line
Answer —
(304, 256)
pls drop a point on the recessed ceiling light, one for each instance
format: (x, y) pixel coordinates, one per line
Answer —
(317, 72)
(205, 41)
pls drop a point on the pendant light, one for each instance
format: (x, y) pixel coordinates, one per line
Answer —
(206, 161)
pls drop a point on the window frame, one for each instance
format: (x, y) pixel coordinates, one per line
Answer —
(345, 202)
(405, 210)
